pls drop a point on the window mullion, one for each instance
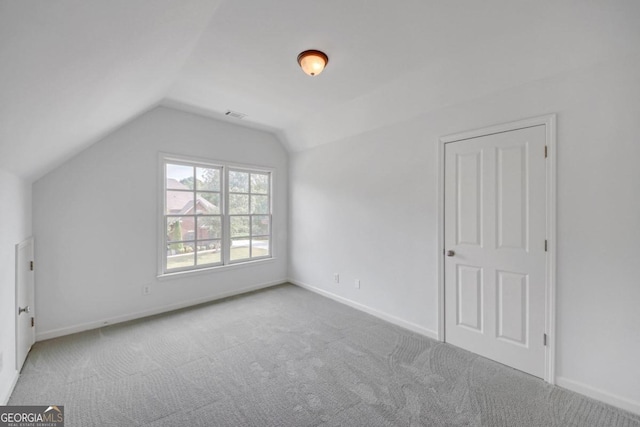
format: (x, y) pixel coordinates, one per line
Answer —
(196, 226)
(165, 216)
(226, 222)
(250, 221)
(195, 219)
(250, 231)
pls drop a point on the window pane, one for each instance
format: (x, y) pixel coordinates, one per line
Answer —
(239, 226)
(238, 204)
(208, 203)
(209, 227)
(260, 225)
(238, 182)
(179, 177)
(208, 252)
(188, 227)
(239, 249)
(259, 183)
(178, 228)
(180, 255)
(260, 204)
(208, 179)
(179, 202)
(259, 247)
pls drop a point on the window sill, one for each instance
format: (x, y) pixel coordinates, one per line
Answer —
(218, 268)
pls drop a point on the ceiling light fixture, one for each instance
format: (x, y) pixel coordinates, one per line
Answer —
(313, 62)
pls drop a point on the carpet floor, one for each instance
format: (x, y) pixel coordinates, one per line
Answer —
(286, 357)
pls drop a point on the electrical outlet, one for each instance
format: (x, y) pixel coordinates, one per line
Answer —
(146, 289)
(357, 283)
(336, 277)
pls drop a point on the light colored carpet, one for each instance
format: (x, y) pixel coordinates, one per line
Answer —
(286, 357)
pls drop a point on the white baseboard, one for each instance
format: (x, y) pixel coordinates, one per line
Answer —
(5, 399)
(601, 395)
(68, 330)
(372, 311)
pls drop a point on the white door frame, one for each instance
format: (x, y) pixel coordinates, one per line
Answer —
(549, 121)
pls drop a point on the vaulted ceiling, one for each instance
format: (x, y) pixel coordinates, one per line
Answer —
(71, 71)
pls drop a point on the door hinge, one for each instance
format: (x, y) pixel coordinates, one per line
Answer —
(545, 245)
(33, 322)
(31, 265)
(546, 152)
(544, 339)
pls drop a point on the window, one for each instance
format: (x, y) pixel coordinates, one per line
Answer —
(249, 214)
(214, 214)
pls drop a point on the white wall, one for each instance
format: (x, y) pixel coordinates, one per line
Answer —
(15, 226)
(366, 207)
(96, 223)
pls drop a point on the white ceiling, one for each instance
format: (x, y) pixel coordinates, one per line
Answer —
(72, 71)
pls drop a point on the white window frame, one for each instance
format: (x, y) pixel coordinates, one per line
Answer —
(225, 168)
(227, 216)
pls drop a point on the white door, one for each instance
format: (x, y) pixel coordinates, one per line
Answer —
(25, 330)
(495, 243)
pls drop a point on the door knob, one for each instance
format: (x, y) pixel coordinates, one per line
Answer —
(26, 309)
(451, 253)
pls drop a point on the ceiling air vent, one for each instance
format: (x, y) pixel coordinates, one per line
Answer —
(235, 114)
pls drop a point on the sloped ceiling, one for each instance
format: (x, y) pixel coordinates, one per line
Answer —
(71, 71)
